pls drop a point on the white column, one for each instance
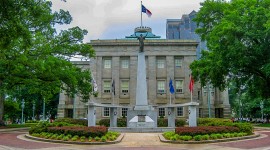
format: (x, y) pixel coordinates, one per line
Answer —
(192, 120)
(91, 116)
(171, 117)
(113, 117)
(141, 91)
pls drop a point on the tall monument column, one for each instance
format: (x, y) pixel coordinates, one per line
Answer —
(142, 115)
(141, 89)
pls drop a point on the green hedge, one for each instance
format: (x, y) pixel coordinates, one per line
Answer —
(79, 131)
(213, 121)
(203, 130)
(243, 127)
(82, 122)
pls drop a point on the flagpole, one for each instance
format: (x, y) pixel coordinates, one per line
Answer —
(170, 98)
(141, 13)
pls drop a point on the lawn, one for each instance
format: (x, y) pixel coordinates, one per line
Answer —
(263, 125)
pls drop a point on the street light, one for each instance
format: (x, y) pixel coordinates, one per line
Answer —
(33, 111)
(261, 106)
(209, 90)
(22, 121)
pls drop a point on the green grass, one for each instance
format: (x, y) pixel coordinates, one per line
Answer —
(20, 125)
(264, 125)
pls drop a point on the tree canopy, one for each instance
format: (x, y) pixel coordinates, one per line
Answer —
(34, 56)
(238, 36)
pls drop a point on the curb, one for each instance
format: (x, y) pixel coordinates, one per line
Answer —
(13, 129)
(118, 140)
(261, 128)
(162, 139)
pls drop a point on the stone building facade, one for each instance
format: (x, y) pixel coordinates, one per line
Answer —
(116, 60)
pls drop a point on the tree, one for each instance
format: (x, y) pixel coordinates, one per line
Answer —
(238, 36)
(34, 56)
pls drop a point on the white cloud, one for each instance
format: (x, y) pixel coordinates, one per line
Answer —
(111, 18)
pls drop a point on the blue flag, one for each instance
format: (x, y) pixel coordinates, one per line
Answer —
(171, 86)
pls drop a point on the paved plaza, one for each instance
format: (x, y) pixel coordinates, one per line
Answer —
(15, 140)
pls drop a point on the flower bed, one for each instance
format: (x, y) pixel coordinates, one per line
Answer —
(109, 136)
(193, 131)
(80, 131)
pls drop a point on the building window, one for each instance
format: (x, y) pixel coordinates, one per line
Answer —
(180, 111)
(179, 86)
(107, 63)
(124, 112)
(107, 86)
(178, 62)
(124, 86)
(106, 112)
(160, 63)
(161, 112)
(161, 86)
(125, 63)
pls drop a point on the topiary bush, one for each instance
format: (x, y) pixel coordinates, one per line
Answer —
(121, 122)
(104, 122)
(180, 122)
(162, 122)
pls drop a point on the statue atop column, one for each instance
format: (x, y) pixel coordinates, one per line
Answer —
(141, 39)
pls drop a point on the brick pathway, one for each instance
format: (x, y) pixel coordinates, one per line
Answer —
(250, 144)
(11, 140)
(132, 141)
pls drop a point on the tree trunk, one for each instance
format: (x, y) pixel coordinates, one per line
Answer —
(2, 97)
(1, 106)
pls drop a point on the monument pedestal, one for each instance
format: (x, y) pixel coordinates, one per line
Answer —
(142, 119)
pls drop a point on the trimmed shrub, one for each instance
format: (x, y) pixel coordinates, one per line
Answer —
(121, 122)
(244, 127)
(219, 136)
(213, 136)
(65, 138)
(82, 122)
(205, 137)
(162, 122)
(90, 138)
(197, 138)
(180, 122)
(213, 121)
(193, 131)
(168, 134)
(185, 137)
(104, 122)
(82, 139)
(97, 138)
(54, 136)
(103, 139)
(80, 131)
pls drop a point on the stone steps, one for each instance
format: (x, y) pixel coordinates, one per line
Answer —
(141, 130)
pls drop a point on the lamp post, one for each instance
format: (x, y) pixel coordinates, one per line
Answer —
(33, 111)
(209, 90)
(43, 117)
(261, 106)
(22, 121)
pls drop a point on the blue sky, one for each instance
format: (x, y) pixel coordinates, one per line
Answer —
(114, 19)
